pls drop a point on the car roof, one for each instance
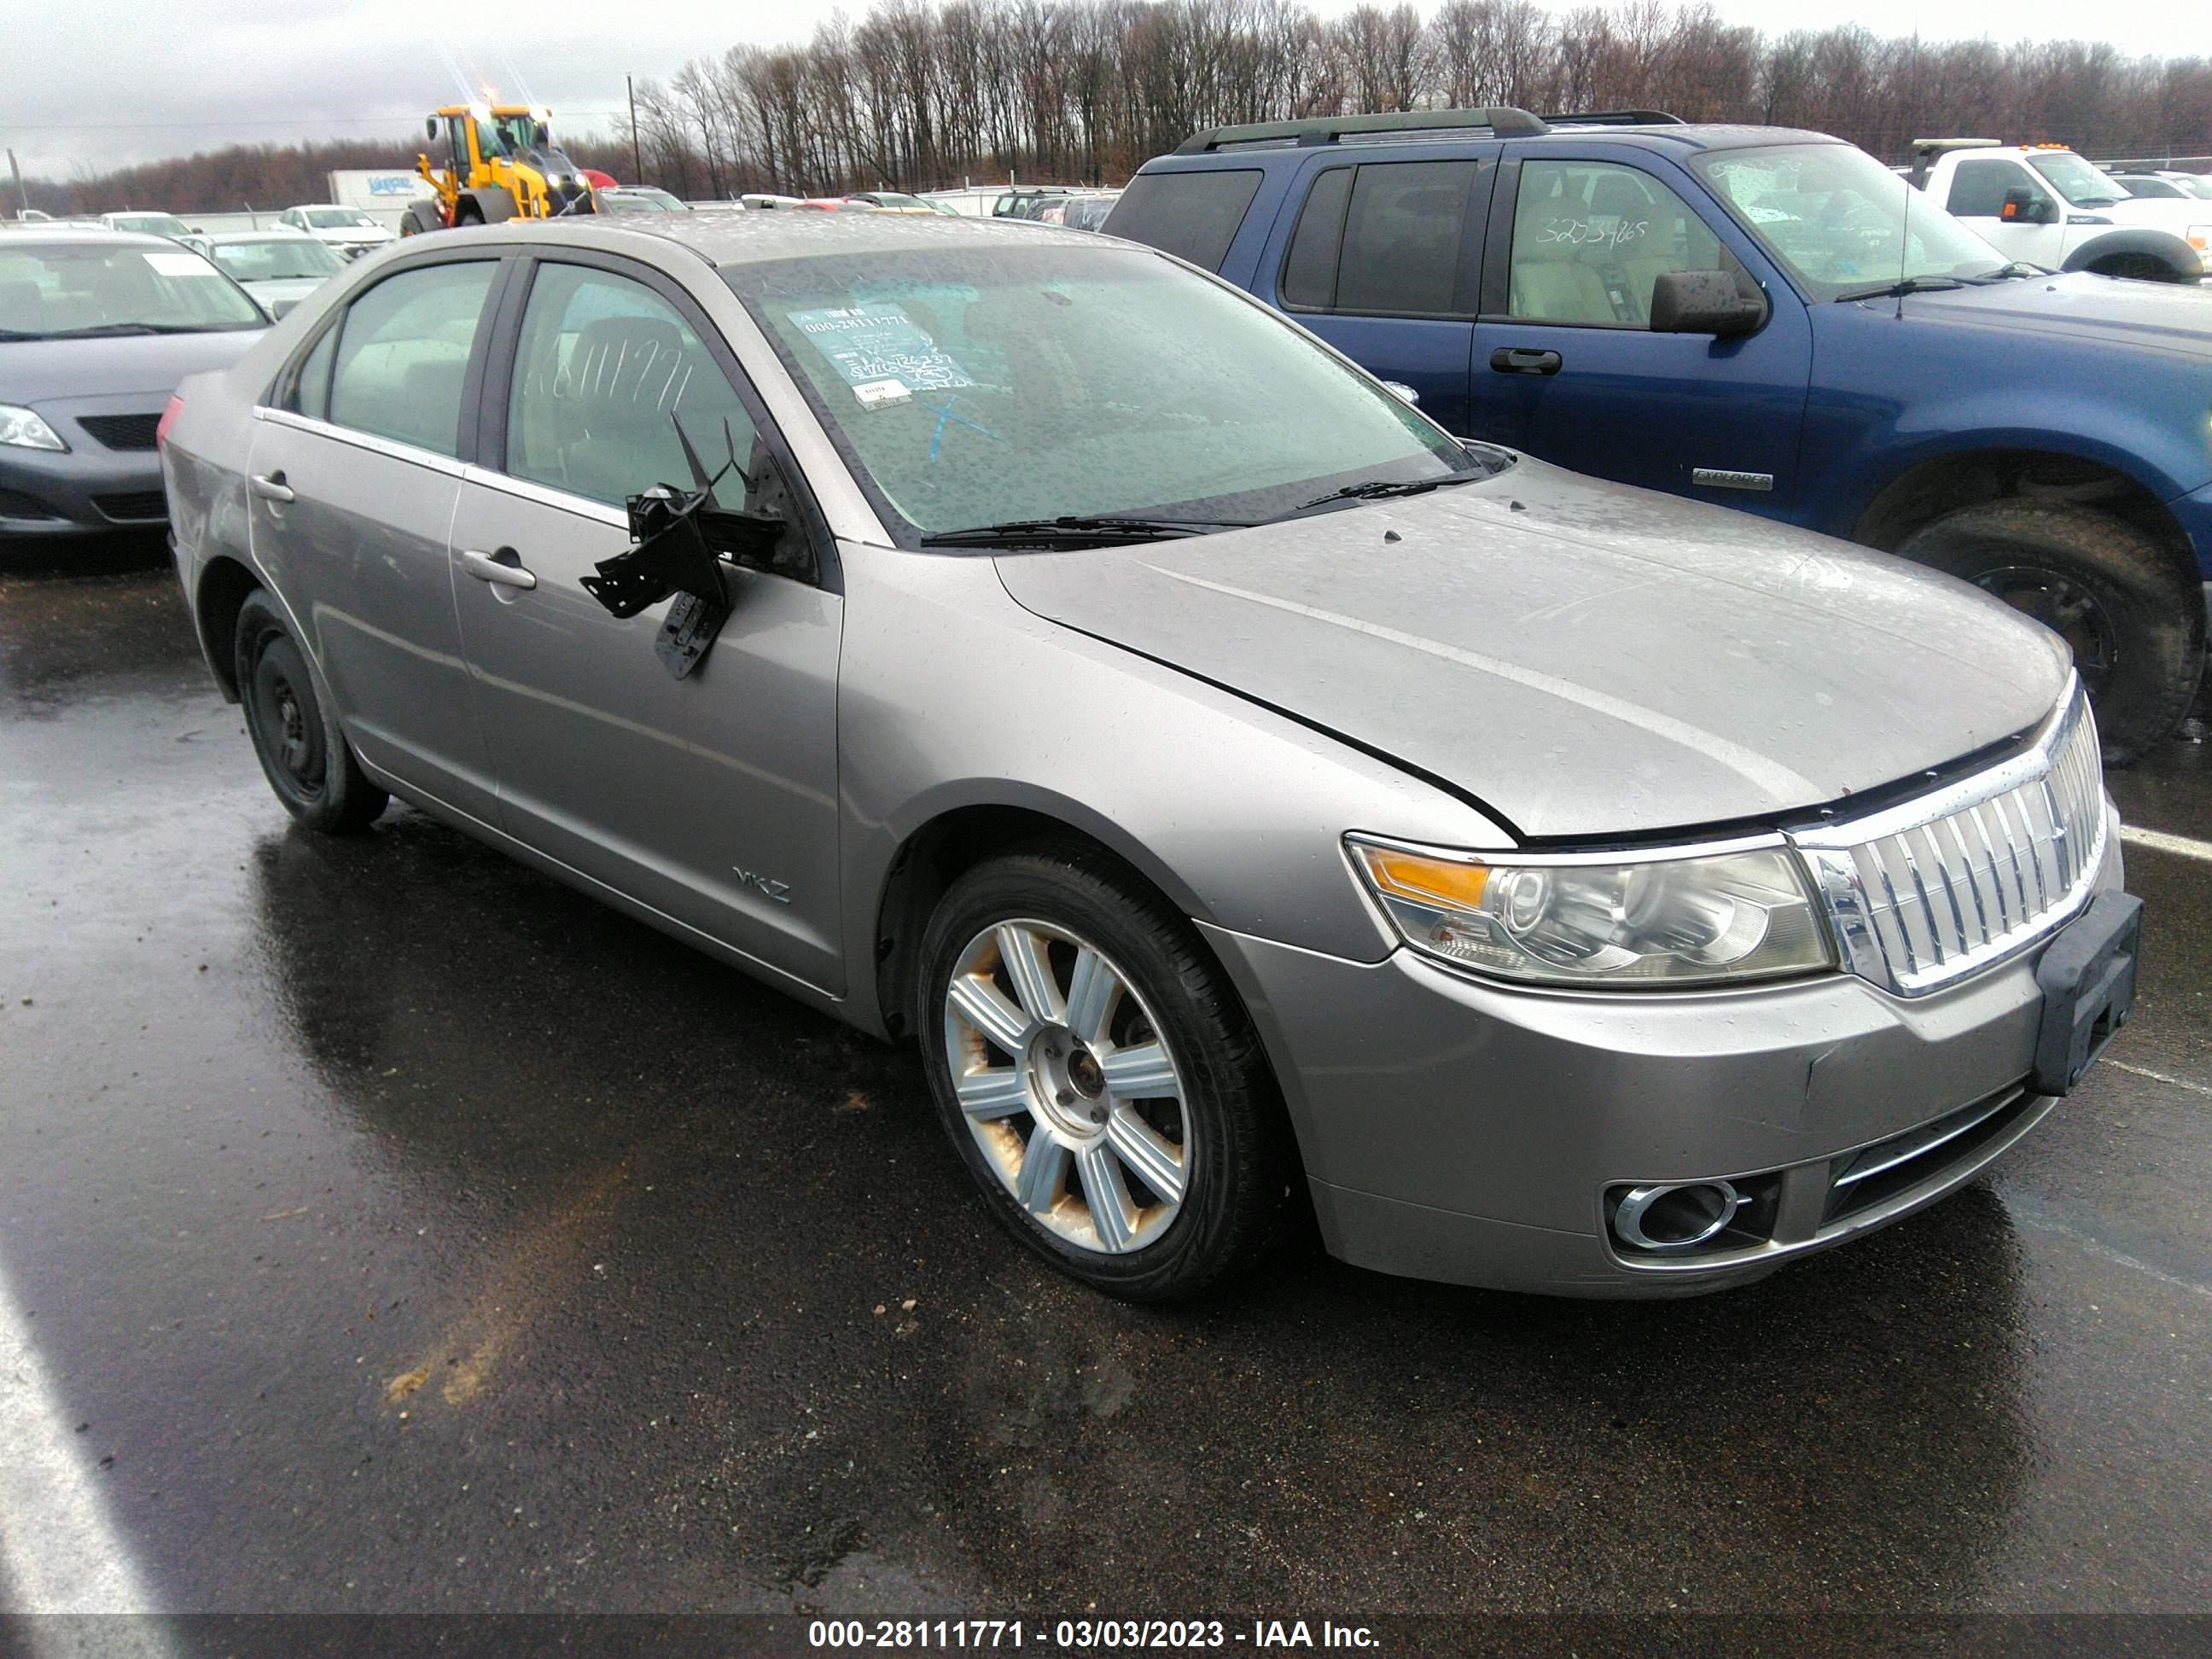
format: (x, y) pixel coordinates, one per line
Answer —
(273, 233)
(84, 236)
(726, 239)
(1275, 139)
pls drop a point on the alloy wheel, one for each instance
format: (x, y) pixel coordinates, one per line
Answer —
(1068, 1085)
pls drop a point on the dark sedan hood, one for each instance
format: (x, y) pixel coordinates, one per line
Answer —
(36, 371)
(1588, 660)
(2163, 316)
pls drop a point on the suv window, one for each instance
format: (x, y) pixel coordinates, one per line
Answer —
(1590, 238)
(403, 355)
(1977, 188)
(1192, 216)
(603, 371)
(1402, 236)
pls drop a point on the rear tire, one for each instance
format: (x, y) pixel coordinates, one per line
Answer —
(2137, 628)
(294, 727)
(1150, 1094)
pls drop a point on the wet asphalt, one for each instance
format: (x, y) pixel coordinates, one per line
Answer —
(401, 1231)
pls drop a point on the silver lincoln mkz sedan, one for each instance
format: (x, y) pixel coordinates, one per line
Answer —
(1012, 640)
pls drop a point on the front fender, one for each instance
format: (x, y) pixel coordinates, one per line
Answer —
(2170, 250)
(953, 696)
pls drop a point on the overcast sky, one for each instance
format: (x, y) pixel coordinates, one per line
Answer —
(87, 83)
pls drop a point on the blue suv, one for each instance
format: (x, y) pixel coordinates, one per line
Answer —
(1758, 316)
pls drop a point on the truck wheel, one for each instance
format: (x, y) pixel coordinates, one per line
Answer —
(420, 219)
(466, 212)
(2137, 628)
(2141, 267)
(1099, 1078)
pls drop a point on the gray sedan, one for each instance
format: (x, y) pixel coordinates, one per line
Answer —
(1246, 797)
(278, 268)
(96, 329)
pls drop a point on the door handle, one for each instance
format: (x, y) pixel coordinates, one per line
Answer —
(1522, 359)
(271, 487)
(503, 568)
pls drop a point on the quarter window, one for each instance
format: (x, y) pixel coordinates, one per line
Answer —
(1192, 216)
(1590, 238)
(403, 355)
(611, 381)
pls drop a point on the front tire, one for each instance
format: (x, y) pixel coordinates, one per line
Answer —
(2136, 628)
(1098, 1077)
(294, 728)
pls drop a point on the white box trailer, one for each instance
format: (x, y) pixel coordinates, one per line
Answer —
(392, 188)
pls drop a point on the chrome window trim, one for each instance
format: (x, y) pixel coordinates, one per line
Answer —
(2025, 917)
(581, 507)
(448, 465)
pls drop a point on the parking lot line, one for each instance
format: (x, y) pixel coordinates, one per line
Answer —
(58, 1553)
(2159, 1077)
(2159, 841)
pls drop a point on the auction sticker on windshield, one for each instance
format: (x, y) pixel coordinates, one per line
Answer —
(878, 347)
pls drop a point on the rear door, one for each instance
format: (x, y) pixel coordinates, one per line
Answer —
(1384, 261)
(354, 475)
(713, 799)
(1565, 364)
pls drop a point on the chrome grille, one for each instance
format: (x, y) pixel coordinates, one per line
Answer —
(1924, 893)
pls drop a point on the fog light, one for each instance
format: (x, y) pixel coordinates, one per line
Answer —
(1675, 1215)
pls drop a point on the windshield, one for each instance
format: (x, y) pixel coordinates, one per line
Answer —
(2076, 179)
(637, 201)
(1838, 218)
(2161, 189)
(978, 386)
(152, 224)
(48, 291)
(338, 218)
(277, 260)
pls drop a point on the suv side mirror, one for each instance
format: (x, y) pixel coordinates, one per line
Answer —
(2027, 207)
(1703, 302)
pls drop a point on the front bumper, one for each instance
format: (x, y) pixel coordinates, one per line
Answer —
(79, 492)
(1463, 1130)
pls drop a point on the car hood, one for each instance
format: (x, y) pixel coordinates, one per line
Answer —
(270, 289)
(35, 371)
(1585, 659)
(2175, 317)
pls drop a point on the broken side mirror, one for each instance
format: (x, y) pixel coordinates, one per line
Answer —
(1703, 302)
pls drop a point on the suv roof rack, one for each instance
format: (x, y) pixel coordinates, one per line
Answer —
(1504, 121)
(1618, 118)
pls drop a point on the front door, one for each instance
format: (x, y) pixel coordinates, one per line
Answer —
(1568, 368)
(713, 798)
(354, 480)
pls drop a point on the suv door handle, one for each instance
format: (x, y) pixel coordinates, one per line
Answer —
(1523, 359)
(271, 487)
(503, 568)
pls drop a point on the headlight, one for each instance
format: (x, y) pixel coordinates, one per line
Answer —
(1679, 919)
(24, 429)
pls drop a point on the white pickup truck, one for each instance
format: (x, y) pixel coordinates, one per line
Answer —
(2046, 205)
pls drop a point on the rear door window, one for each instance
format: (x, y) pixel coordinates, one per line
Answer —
(1192, 216)
(1385, 239)
(403, 355)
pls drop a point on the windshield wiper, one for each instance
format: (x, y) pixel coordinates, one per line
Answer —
(1072, 527)
(104, 329)
(21, 334)
(1899, 290)
(2006, 273)
(1375, 489)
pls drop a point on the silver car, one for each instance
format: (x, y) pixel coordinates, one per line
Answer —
(1246, 798)
(279, 268)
